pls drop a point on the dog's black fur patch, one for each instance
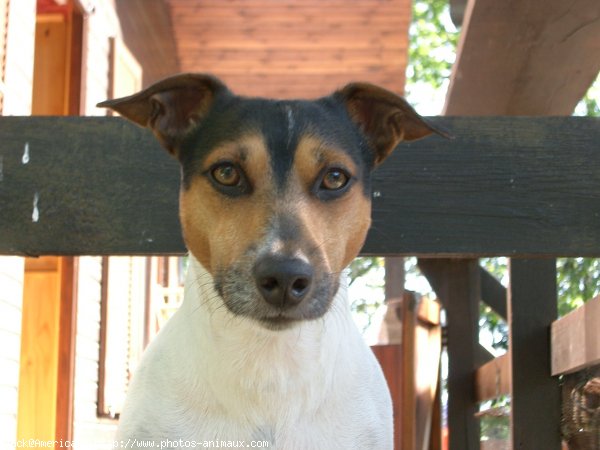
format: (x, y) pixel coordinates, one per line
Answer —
(231, 117)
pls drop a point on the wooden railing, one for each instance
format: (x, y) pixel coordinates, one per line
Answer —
(526, 188)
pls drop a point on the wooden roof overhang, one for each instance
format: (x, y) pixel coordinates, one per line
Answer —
(524, 57)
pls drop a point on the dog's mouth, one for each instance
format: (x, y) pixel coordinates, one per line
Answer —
(279, 322)
(241, 297)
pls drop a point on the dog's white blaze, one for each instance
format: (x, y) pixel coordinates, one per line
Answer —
(290, 123)
(275, 246)
(302, 256)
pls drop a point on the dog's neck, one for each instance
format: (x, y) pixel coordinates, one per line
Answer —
(249, 361)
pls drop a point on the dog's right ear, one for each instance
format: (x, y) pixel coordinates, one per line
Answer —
(172, 107)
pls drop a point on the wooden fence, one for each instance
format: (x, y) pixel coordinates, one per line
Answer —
(527, 188)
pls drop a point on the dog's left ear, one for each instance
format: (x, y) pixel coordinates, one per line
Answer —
(171, 107)
(384, 117)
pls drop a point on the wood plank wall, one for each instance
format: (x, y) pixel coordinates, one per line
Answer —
(3, 27)
(11, 294)
(17, 58)
(20, 44)
(288, 49)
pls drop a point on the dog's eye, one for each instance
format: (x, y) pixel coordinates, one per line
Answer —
(226, 174)
(334, 180)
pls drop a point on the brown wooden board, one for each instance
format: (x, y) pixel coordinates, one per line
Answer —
(576, 339)
(503, 186)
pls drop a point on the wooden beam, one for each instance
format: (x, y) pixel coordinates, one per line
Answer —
(493, 379)
(456, 283)
(576, 339)
(482, 355)
(504, 186)
(493, 293)
(525, 57)
(535, 394)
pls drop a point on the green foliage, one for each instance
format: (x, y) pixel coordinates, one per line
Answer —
(362, 266)
(578, 282)
(432, 43)
(366, 306)
(495, 427)
(590, 103)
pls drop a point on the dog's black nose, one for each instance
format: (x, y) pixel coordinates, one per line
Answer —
(283, 282)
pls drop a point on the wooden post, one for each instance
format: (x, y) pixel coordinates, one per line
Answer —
(456, 282)
(408, 397)
(391, 328)
(493, 293)
(394, 277)
(532, 307)
(390, 357)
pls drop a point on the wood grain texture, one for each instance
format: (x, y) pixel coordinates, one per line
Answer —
(148, 32)
(576, 339)
(525, 57)
(39, 361)
(293, 49)
(493, 379)
(504, 186)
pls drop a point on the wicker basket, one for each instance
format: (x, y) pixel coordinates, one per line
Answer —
(581, 410)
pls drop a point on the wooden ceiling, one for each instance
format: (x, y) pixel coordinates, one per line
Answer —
(292, 48)
(147, 31)
(275, 48)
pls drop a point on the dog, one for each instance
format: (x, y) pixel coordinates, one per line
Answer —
(274, 205)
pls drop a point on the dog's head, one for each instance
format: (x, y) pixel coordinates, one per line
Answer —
(275, 195)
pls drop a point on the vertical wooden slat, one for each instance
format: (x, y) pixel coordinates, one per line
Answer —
(435, 432)
(75, 58)
(39, 349)
(67, 331)
(4, 4)
(532, 307)
(457, 284)
(102, 408)
(389, 357)
(394, 277)
(428, 349)
(409, 394)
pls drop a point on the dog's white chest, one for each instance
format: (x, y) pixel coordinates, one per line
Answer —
(213, 376)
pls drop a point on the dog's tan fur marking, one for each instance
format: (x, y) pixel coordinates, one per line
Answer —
(329, 223)
(218, 229)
